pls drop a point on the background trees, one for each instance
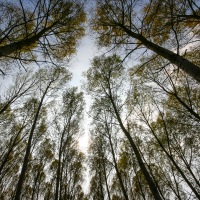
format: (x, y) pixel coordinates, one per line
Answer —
(69, 163)
(156, 152)
(107, 74)
(27, 147)
(31, 167)
(144, 133)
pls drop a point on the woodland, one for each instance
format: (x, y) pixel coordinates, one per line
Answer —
(145, 118)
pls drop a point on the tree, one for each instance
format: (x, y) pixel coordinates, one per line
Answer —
(104, 79)
(67, 126)
(177, 85)
(99, 167)
(24, 84)
(40, 28)
(49, 82)
(14, 135)
(107, 137)
(45, 155)
(172, 101)
(11, 134)
(122, 23)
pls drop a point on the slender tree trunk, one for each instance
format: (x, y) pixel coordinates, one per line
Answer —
(140, 186)
(65, 193)
(35, 185)
(174, 162)
(59, 164)
(49, 192)
(61, 180)
(28, 149)
(116, 168)
(101, 195)
(184, 64)
(104, 172)
(38, 187)
(106, 181)
(143, 168)
(58, 174)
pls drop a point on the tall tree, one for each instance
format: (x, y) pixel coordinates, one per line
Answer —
(44, 156)
(99, 167)
(130, 24)
(40, 28)
(173, 100)
(67, 125)
(49, 82)
(106, 134)
(104, 79)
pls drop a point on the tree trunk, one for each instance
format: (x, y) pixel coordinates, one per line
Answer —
(27, 42)
(28, 149)
(106, 181)
(184, 64)
(143, 168)
(58, 171)
(174, 163)
(59, 160)
(35, 185)
(104, 172)
(117, 170)
(101, 193)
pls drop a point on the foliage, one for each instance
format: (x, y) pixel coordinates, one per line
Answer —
(144, 133)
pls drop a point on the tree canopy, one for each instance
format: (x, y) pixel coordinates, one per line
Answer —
(40, 30)
(142, 117)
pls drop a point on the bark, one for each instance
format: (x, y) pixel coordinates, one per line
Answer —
(182, 63)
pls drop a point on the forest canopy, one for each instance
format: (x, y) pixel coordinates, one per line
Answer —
(144, 129)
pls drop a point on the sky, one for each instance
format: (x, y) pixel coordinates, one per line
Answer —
(86, 51)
